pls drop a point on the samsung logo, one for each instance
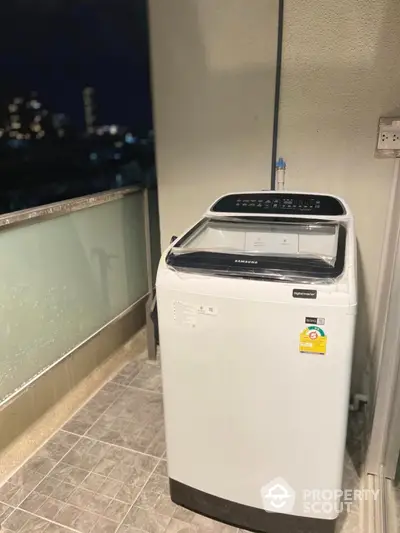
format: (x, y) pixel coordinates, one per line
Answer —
(246, 262)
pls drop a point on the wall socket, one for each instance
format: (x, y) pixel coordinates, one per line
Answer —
(388, 143)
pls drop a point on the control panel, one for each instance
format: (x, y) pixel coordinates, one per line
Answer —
(279, 204)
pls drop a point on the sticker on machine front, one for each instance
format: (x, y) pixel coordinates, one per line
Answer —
(315, 320)
(313, 340)
(304, 293)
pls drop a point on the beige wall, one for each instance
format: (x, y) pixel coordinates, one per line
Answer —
(341, 72)
(213, 103)
(213, 67)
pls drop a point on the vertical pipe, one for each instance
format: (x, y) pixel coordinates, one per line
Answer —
(277, 94)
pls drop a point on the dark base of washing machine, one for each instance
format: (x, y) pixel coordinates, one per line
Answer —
(243, 516)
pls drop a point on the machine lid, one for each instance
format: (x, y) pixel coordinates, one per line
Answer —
(297, 250)
(279, 203)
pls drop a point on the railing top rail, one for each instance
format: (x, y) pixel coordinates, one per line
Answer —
(44, 212)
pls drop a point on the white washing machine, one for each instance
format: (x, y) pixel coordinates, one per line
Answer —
(257, 307)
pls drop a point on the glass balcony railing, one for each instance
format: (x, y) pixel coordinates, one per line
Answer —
(66, 270)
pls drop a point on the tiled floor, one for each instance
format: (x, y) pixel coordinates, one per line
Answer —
(105, 471)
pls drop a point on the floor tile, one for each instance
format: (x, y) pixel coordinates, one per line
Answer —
(34, 523)
(184, 515)
(128, 373)
(33, 502)
(13, 495)
(26, 478)
(85, 522)
(148, 378)
(7, 492)
(117, 510)
(43, 465)
(148, 500)
(89, 501)
(82, 421)
(147, 521)
(165, 505)
(55, 528)
(58, 446)
(67, 515)
(63, 491)
(93, 482)
(81, 460)
(5, 511)
(48, 485)
(157, 483)
(128, 493)
(50, 508)
(162, 468)
(104, 525)
(129, 529)
(105, 466)
(176, 526)
(207, 525)
(16, 520)
(110, 487)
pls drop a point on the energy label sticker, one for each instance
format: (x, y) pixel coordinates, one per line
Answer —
(313, 340)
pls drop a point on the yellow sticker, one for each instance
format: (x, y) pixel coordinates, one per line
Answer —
(313, 340)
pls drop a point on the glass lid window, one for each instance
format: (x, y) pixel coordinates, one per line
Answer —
(307, 247)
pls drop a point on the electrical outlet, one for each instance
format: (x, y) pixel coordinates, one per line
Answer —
(388, 143)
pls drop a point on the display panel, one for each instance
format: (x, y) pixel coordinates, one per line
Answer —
(279, 203)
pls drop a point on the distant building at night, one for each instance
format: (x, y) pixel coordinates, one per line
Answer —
(27, 119)
(61, 124)
(89, 105)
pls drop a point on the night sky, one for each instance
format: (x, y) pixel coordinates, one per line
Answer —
(57, 47)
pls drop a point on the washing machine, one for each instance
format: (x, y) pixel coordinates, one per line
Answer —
(257, 307)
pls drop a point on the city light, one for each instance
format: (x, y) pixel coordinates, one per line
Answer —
(130, 139)
(113, 129)
(34, 104)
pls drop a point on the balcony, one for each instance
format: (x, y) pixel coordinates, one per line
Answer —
(82, 441)
(74, 281)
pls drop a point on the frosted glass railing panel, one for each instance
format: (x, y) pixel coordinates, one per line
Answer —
(64, 278)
